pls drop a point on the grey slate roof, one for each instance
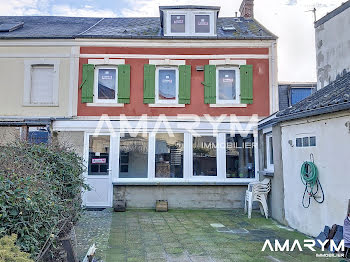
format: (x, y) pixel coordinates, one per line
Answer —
(54, 27)
(332, 98)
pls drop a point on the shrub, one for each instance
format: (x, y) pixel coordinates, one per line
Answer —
(40, 189)
(9, 252)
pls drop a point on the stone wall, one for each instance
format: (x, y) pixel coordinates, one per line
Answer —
(187, 197)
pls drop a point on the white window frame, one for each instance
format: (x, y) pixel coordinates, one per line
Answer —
(105, 101)
(189, 22)
(238, 85)
(167, 102)
(269, 166)
(28, 64)
(211, 19)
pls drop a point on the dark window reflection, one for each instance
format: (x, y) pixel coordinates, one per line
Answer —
(204, 156)
(240, 161)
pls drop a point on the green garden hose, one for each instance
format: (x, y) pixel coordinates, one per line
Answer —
(309, 177)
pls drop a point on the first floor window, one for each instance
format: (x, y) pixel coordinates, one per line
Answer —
(227, 85)
(99, 150)
(167, 87)
(42, 84)
(106, 86)
(240, 156)
(133, 156)
(204, 156)
(169, 156)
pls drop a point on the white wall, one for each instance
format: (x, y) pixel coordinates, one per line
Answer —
(333, 48)
(332, 158)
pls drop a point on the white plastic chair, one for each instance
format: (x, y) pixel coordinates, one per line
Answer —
(257, 191)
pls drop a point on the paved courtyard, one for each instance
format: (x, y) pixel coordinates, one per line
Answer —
(184, 235)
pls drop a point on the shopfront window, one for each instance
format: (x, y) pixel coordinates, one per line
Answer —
(133, 156)
(204, 156)
(169, 156)
(99, 150)
(240, 156)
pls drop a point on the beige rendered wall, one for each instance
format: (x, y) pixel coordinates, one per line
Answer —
(331, 156)
(12, 64)
(9, 134)
(73, 140)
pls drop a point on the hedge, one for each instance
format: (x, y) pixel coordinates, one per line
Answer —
(40, 195)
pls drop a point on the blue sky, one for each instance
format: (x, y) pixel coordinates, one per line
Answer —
(290, 20)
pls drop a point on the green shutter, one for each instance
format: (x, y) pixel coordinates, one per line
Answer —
(124, 84)
(149, 83)
(184, 84)
(209, 84)
(246, 84)
(87, 84)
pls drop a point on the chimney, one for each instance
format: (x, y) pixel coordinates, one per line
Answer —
(247, 9)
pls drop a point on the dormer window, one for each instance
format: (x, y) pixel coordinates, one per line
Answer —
(178, 23)
(189, 21)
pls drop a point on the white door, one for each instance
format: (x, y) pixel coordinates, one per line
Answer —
(98, 173)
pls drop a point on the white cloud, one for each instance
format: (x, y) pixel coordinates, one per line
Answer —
(86, 11)
(23, 7)
(288, 19)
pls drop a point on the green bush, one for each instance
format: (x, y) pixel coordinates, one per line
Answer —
(40, 193)
(9, 252)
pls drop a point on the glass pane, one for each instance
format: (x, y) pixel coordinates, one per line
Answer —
(202, 24)
(167, 84)
(312, 141)
(204, 156)
(106, 83)
(133, 160)
(305, 141)
(178, 24)
(227, 84)
(169, 155)
(99, 155)
(271, 150)
(299, 94)
(299, 142)
(240, 160)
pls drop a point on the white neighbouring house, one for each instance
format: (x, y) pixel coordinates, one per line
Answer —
(316, 128)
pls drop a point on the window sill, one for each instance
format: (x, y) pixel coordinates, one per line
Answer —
(228, 105)
(265, 172)
(40, 105)
(166, 105)
(184, 183)
(105, 104)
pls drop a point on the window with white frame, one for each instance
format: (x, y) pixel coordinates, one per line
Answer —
(204, 156)
(269, 151)
(227, 85)
(167, 84)
(106, 84)
(178, 157)
(133, 156)
(41, 83)
(240, 157)
(169, 156)
(190, 23)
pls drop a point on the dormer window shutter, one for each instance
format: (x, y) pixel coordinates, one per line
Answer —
(149, 84)
(87, 84)
(124, 84)
(209, 84)
(246, 72)
(184, 84)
